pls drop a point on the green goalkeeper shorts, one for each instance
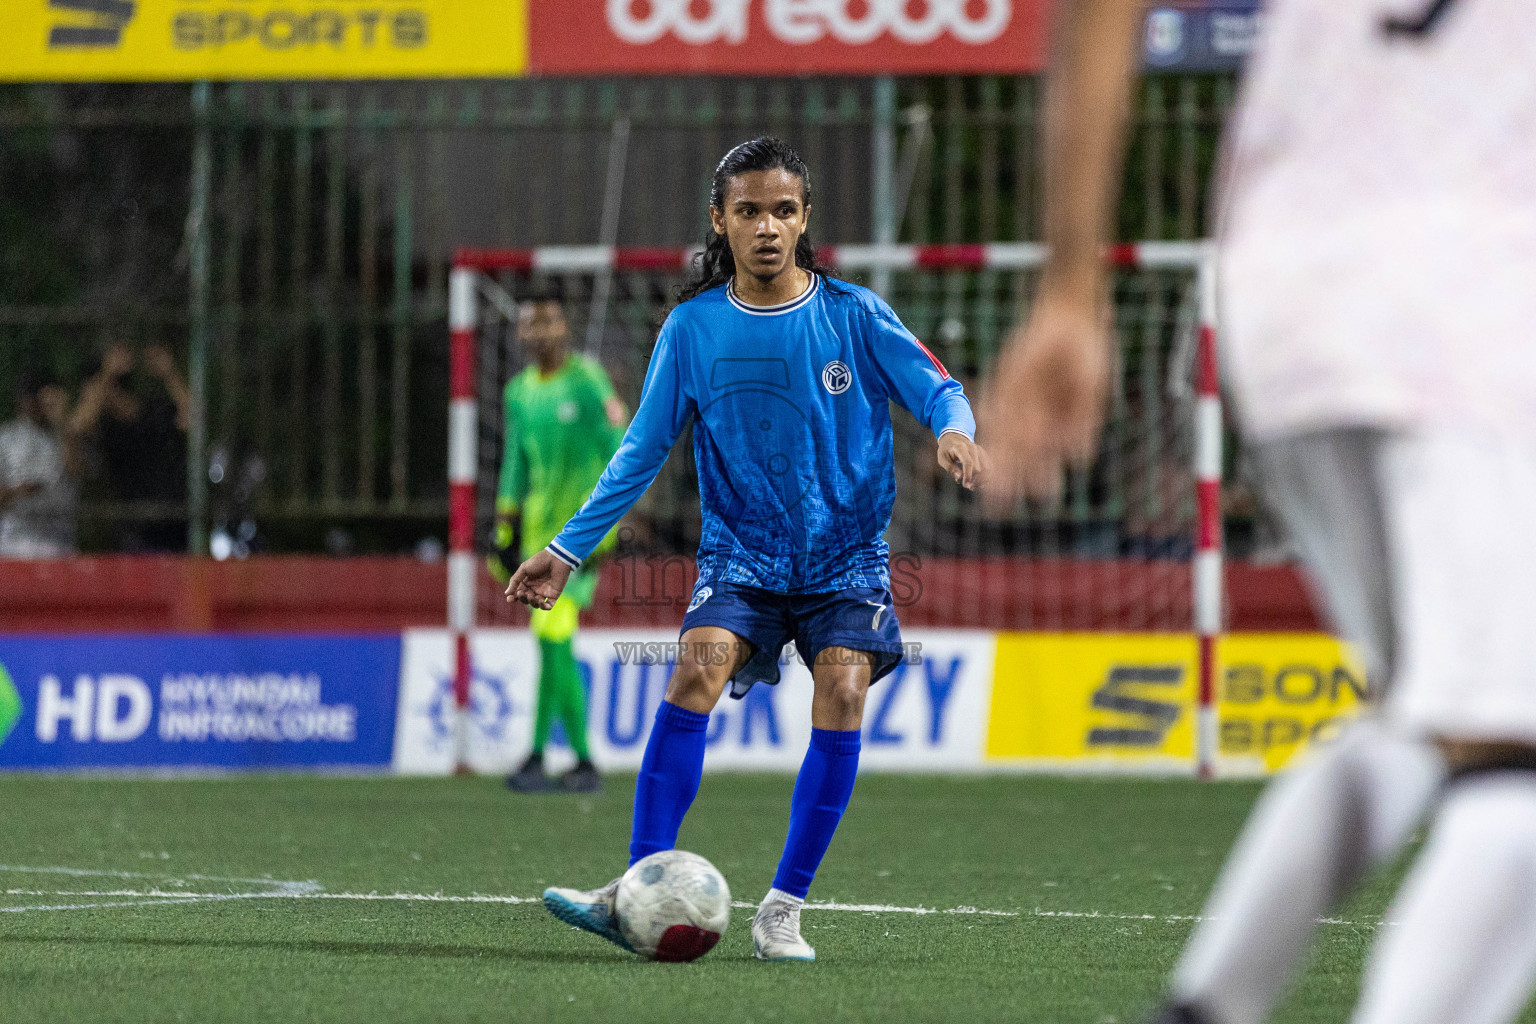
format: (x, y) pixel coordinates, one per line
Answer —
(559, 623)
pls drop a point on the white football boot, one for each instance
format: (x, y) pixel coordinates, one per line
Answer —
(776, 929)
(591, 910)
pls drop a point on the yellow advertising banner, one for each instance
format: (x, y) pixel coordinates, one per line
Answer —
(99, 40)
(1127, 700)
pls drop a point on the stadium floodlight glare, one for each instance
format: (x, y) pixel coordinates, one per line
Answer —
(475, 298)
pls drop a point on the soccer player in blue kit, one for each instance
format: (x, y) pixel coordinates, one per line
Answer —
(786, 375)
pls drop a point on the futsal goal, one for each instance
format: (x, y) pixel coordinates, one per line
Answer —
(1132, 544)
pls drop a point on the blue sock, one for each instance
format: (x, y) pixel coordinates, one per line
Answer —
(669, 779)
(821, 795)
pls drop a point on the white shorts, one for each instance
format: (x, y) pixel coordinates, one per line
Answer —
(1423, 546)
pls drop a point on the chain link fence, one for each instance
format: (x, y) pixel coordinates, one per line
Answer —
(333, 210)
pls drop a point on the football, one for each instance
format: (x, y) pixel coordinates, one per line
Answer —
(673, 906)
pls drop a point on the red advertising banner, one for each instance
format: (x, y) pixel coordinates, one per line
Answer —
(787, 37)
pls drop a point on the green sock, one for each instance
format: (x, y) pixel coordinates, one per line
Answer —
(548, 699)
(561, 680)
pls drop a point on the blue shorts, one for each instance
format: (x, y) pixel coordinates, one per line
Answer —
(860, 619)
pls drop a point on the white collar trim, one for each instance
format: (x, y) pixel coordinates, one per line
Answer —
(779, 310)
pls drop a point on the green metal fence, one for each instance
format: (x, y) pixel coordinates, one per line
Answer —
(330, 211)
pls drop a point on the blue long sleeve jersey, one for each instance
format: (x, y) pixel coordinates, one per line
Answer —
(792, 435)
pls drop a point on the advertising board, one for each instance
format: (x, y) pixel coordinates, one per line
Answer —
(1125, 701)
(182, 40)
(962, 700)
(1200, 36)
(146, 40)
(788, 37)
(134, 702)
(928, 714)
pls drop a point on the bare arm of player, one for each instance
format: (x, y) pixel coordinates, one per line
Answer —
(539, 581)
(1044, 405)
(963, 459)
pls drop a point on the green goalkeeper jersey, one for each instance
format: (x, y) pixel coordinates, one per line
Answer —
(561, 430)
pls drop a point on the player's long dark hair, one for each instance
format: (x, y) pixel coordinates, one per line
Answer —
(716, 265)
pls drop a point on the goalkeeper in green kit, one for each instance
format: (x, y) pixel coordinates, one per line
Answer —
(562, 424)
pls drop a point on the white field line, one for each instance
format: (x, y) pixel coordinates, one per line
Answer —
(153, 897)
(92, 906)
(281, 889)
(148, 876)
(190, 897)
(881, 908)
(159, 897)
(884, 908)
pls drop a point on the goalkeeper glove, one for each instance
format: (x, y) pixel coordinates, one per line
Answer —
(506, 542)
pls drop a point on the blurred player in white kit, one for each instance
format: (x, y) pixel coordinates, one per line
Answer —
(1377, 267)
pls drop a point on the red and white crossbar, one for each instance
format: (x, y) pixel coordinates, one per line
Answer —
(589, 259)
(575, 259)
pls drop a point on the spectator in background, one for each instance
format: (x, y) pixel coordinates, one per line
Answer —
(141, 426)
(39, 466)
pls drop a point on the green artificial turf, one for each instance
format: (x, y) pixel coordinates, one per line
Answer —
(1042, 850)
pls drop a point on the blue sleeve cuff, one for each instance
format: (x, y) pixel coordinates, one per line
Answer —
(953, 412)
(564, 555)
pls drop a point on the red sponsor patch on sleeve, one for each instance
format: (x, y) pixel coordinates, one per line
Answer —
(933, 359)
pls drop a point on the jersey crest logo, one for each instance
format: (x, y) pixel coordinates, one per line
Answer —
(836, 377)
(704, 594)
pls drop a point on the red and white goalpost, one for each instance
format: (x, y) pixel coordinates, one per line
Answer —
(463, 436)
(1207, 582)
(470, 265)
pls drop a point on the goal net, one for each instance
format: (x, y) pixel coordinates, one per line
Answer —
(1131, 544)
